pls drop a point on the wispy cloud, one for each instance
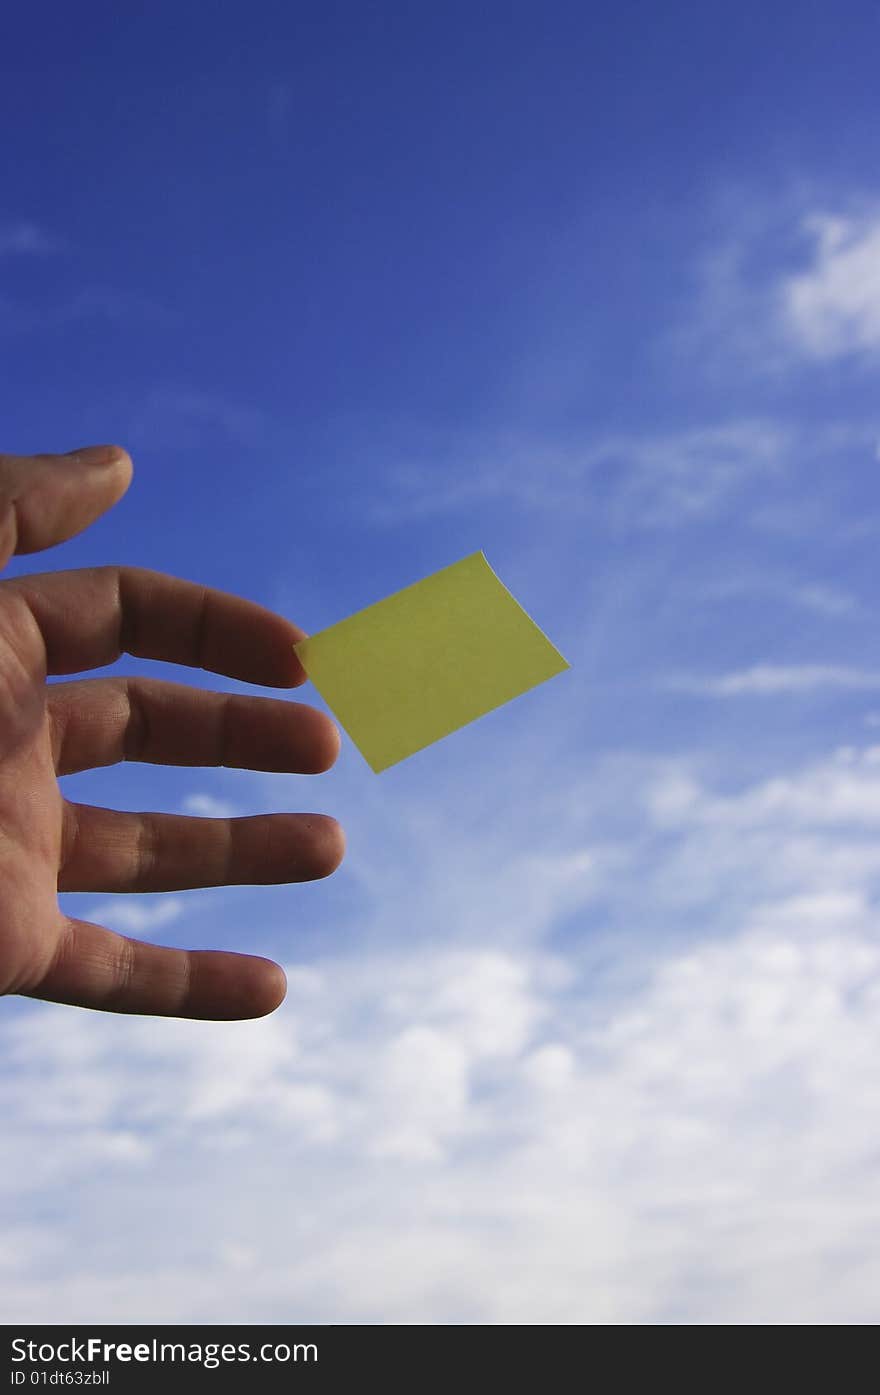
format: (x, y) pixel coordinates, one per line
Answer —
(93, 303)
(819, 598)
(184, 417)
(822, 599)
(764, 680)
(628, 480)
(733, 328)
(24, 239)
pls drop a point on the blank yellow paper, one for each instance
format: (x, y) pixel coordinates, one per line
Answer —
(427, 660)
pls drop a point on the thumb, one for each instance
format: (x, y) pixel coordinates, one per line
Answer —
(45, 499)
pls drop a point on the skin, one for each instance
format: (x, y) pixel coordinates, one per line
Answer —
(70, 622)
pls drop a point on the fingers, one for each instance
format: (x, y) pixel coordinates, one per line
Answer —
(108, 850)
(88, 618)
(96, 968)
(45, 499)
(100, 721)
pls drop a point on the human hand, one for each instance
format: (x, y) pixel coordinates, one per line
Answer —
(68, 622)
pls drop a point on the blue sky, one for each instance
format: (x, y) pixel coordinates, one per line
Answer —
(585, 1027)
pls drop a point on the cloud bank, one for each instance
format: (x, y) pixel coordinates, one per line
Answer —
(667, 1123)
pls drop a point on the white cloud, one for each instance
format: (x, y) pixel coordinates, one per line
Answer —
(783, 282)
(644, 1125)
(770, 679)
(697, 1151)
(209, 806)
(840, 791)
(135, 915)
(833, 307)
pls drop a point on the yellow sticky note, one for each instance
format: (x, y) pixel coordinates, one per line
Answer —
(427, 660)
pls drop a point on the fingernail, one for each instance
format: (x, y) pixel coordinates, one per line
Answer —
(96, 455)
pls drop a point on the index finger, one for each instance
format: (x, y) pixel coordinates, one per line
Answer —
(88, 618)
